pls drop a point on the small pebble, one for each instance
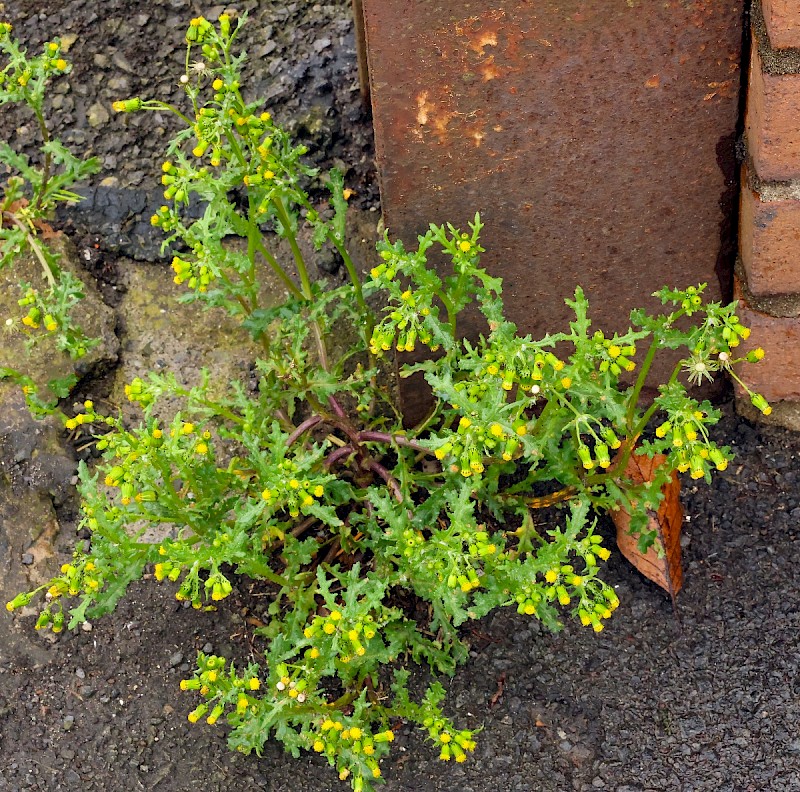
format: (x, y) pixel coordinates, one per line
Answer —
(97, 115)
(175, 659)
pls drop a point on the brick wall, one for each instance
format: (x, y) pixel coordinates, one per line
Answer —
(768, 276)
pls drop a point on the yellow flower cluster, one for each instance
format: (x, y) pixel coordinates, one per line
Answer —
(26, 69)
(213, 683)
(37, 315)
(615, 356)
(165, 219)
(690, 444)
(601, 456)
(452, 744)
(289, 492)
(596, 600)
(405, 323)
(167, 570)
(53, 48)
(131, 449)
(350, 638)
(81, 577)
(463, 575)
(473, 441)
(335, 736)
(137, 391)
(87, 417)
(219, 586)
(196, 274)
(518, 367)
(199, 29)
(176, 180)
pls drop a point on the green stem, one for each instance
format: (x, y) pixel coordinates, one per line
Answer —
(236, 148)
(253, 238)
(38, 252)
(352, 273)
(640, 380)
(451, 312)
(155, 104)
(218, 408)
(629, 444)
(302, 270)
(222, 411)
(369, 319)
(279, 270)
(356, 281)
(639, 428)
(47, 158)
(248, 309)
(426, 422)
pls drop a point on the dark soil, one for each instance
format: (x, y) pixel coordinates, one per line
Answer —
(649, 705)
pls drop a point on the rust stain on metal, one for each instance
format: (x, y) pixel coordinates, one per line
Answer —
(437, 117)
(586, 132)
(476, 49)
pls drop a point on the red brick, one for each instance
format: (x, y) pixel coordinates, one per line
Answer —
(783, 22)
(769, 242)
(773, 122)
(777, 376)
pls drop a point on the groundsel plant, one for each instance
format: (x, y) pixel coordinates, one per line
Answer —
(312, 488)
(29, 197)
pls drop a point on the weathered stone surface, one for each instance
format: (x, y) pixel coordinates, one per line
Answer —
(32, 456)
(595, 138)
(27, 526)
(35, 473)
(35, 470)
(161, 335)
(43, 362)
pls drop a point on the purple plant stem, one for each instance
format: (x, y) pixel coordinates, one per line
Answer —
(309, 423)
(336, 455)
(336, 407)
(385, 437)
(391, 481)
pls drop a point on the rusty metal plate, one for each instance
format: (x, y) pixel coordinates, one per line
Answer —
(595, 137)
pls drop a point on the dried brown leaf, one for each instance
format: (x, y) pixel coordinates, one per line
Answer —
(664, 570)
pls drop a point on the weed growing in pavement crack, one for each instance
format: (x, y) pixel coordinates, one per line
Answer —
(29, 198)
(313, 488)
